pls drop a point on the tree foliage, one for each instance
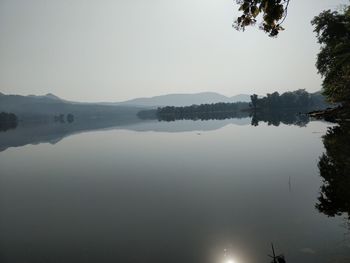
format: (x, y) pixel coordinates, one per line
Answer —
(299, 99)
(333, 61)
(273, 14)
(219, 110)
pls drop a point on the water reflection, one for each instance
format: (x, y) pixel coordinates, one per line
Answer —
(334, 166)
(204, 116)
(275, 118)
(8, 121)
(53, 132)
(125, 196)
(7, 126)
(228, 257)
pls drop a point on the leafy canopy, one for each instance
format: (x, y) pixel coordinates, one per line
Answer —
(333, 61)
(273, 13)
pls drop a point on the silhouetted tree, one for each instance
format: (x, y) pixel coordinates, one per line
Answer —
(254, 100)
(273, 12)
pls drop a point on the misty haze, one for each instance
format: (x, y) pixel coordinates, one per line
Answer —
(175, 131)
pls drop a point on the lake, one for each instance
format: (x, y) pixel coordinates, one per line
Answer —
(216, 191)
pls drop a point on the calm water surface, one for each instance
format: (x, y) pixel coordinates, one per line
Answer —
(212, 191)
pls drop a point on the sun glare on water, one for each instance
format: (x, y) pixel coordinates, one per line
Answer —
(228, 257)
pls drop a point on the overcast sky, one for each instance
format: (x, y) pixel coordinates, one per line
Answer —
(101, 50)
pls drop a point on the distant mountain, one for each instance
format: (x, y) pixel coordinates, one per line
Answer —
(47, 96)
(185, 99)
(240, 98)
(45, 108)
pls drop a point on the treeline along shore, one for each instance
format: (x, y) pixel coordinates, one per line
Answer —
(296, 101)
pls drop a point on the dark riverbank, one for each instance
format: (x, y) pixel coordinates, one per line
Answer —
(340, 113)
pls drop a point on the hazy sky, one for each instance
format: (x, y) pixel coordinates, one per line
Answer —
(101, 50)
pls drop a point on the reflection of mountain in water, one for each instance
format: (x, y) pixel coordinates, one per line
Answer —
(334, 166)
(52, 132)
(186, 125)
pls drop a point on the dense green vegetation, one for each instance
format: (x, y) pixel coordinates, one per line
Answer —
(299, 99)
(333, 61)
(7, 121)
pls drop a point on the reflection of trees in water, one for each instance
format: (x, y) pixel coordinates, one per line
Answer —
(334, 166)
(8, 121)
(271, 117)
(277, 117)
(203, 116)
(62, 119)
